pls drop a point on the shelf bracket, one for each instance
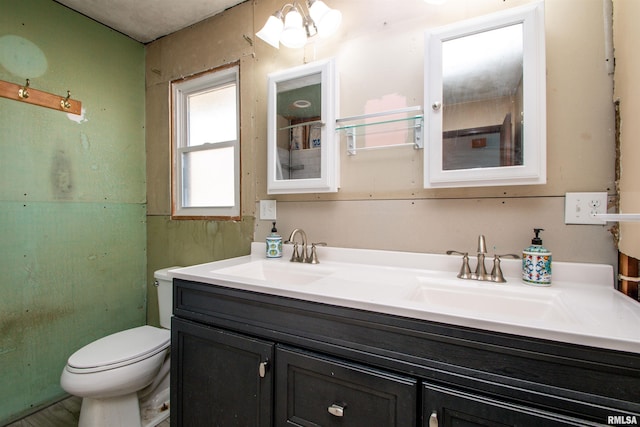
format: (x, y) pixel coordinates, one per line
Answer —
(351, 141)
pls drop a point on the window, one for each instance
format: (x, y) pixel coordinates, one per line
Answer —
(206, 145)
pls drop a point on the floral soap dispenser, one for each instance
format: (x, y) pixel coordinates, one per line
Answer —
(536, 262)
(274, 244)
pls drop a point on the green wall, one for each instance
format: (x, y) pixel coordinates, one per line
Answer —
(189, 242)
(72, 197)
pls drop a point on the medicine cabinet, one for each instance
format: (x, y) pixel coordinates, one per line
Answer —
(302, 155)
(485, 100)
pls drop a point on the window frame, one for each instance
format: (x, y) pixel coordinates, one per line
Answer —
(180, 90)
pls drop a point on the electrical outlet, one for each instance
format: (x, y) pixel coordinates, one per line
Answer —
(268, 209)
(580, 208)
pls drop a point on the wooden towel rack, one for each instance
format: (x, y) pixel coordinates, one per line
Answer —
(38, 97)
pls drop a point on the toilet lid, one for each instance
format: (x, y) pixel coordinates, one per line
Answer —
(119, 349)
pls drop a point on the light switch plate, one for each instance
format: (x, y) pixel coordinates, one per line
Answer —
(268, 209)
(580, 208)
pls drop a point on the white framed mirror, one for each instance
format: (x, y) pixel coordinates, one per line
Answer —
(302, 152)
(485, 100)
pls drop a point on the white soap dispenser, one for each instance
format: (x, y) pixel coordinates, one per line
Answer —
(536, 262)
(274, 244)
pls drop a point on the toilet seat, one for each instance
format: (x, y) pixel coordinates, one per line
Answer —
(119, 349)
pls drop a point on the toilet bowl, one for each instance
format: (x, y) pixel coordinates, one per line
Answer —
(123, 378)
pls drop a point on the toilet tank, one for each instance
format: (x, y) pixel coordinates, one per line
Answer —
(164, 285)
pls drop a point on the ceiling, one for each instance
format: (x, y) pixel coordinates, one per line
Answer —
(147, 20)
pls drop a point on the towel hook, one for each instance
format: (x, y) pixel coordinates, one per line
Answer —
(23, 92)
(64, 103)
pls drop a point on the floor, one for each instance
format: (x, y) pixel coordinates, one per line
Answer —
(61, 414)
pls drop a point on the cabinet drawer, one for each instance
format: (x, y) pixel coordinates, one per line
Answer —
(445, 407)
(314, 390)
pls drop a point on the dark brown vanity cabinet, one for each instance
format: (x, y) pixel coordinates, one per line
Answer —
(243, 358)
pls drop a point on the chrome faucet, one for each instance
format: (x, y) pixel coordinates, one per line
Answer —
(304, 256)
(481, 272)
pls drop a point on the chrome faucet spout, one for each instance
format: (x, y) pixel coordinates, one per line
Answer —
(481, 271)
(482, 244)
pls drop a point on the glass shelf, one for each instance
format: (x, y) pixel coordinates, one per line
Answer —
(352, 124)
(381, 122)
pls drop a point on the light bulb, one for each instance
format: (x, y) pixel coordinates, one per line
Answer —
(293, 34)
(327, 20)
(272, 30)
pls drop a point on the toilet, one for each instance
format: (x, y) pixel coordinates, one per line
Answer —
(123, 378)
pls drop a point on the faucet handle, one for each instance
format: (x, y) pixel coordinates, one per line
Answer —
(465, 270)
(295, 256)
(496, 272)
(313, 258)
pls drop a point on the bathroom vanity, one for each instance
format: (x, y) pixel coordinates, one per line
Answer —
(395, 339)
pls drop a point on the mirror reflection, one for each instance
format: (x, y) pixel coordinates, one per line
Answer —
(299, 127)
(482, 104)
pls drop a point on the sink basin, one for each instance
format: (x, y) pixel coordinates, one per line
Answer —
(497, 299)
(275, 272)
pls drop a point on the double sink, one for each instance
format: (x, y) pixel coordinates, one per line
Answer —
(581, 306)
(403, 286)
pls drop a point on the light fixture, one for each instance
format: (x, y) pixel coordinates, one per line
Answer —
(295, 27)
(302, 103)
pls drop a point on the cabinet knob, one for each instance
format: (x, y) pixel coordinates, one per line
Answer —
(262, 368)
(336, 410)
(433, 419)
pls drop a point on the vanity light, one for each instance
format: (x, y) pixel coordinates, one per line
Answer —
(295, 27)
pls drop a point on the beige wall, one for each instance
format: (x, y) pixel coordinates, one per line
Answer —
(212, 43)
(379, 56)
(627, 88)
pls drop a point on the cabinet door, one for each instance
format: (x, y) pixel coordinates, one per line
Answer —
(314, 390)
(219, 378)
(447, 407)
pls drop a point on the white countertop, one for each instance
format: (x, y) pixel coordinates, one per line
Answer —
(581, 306)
